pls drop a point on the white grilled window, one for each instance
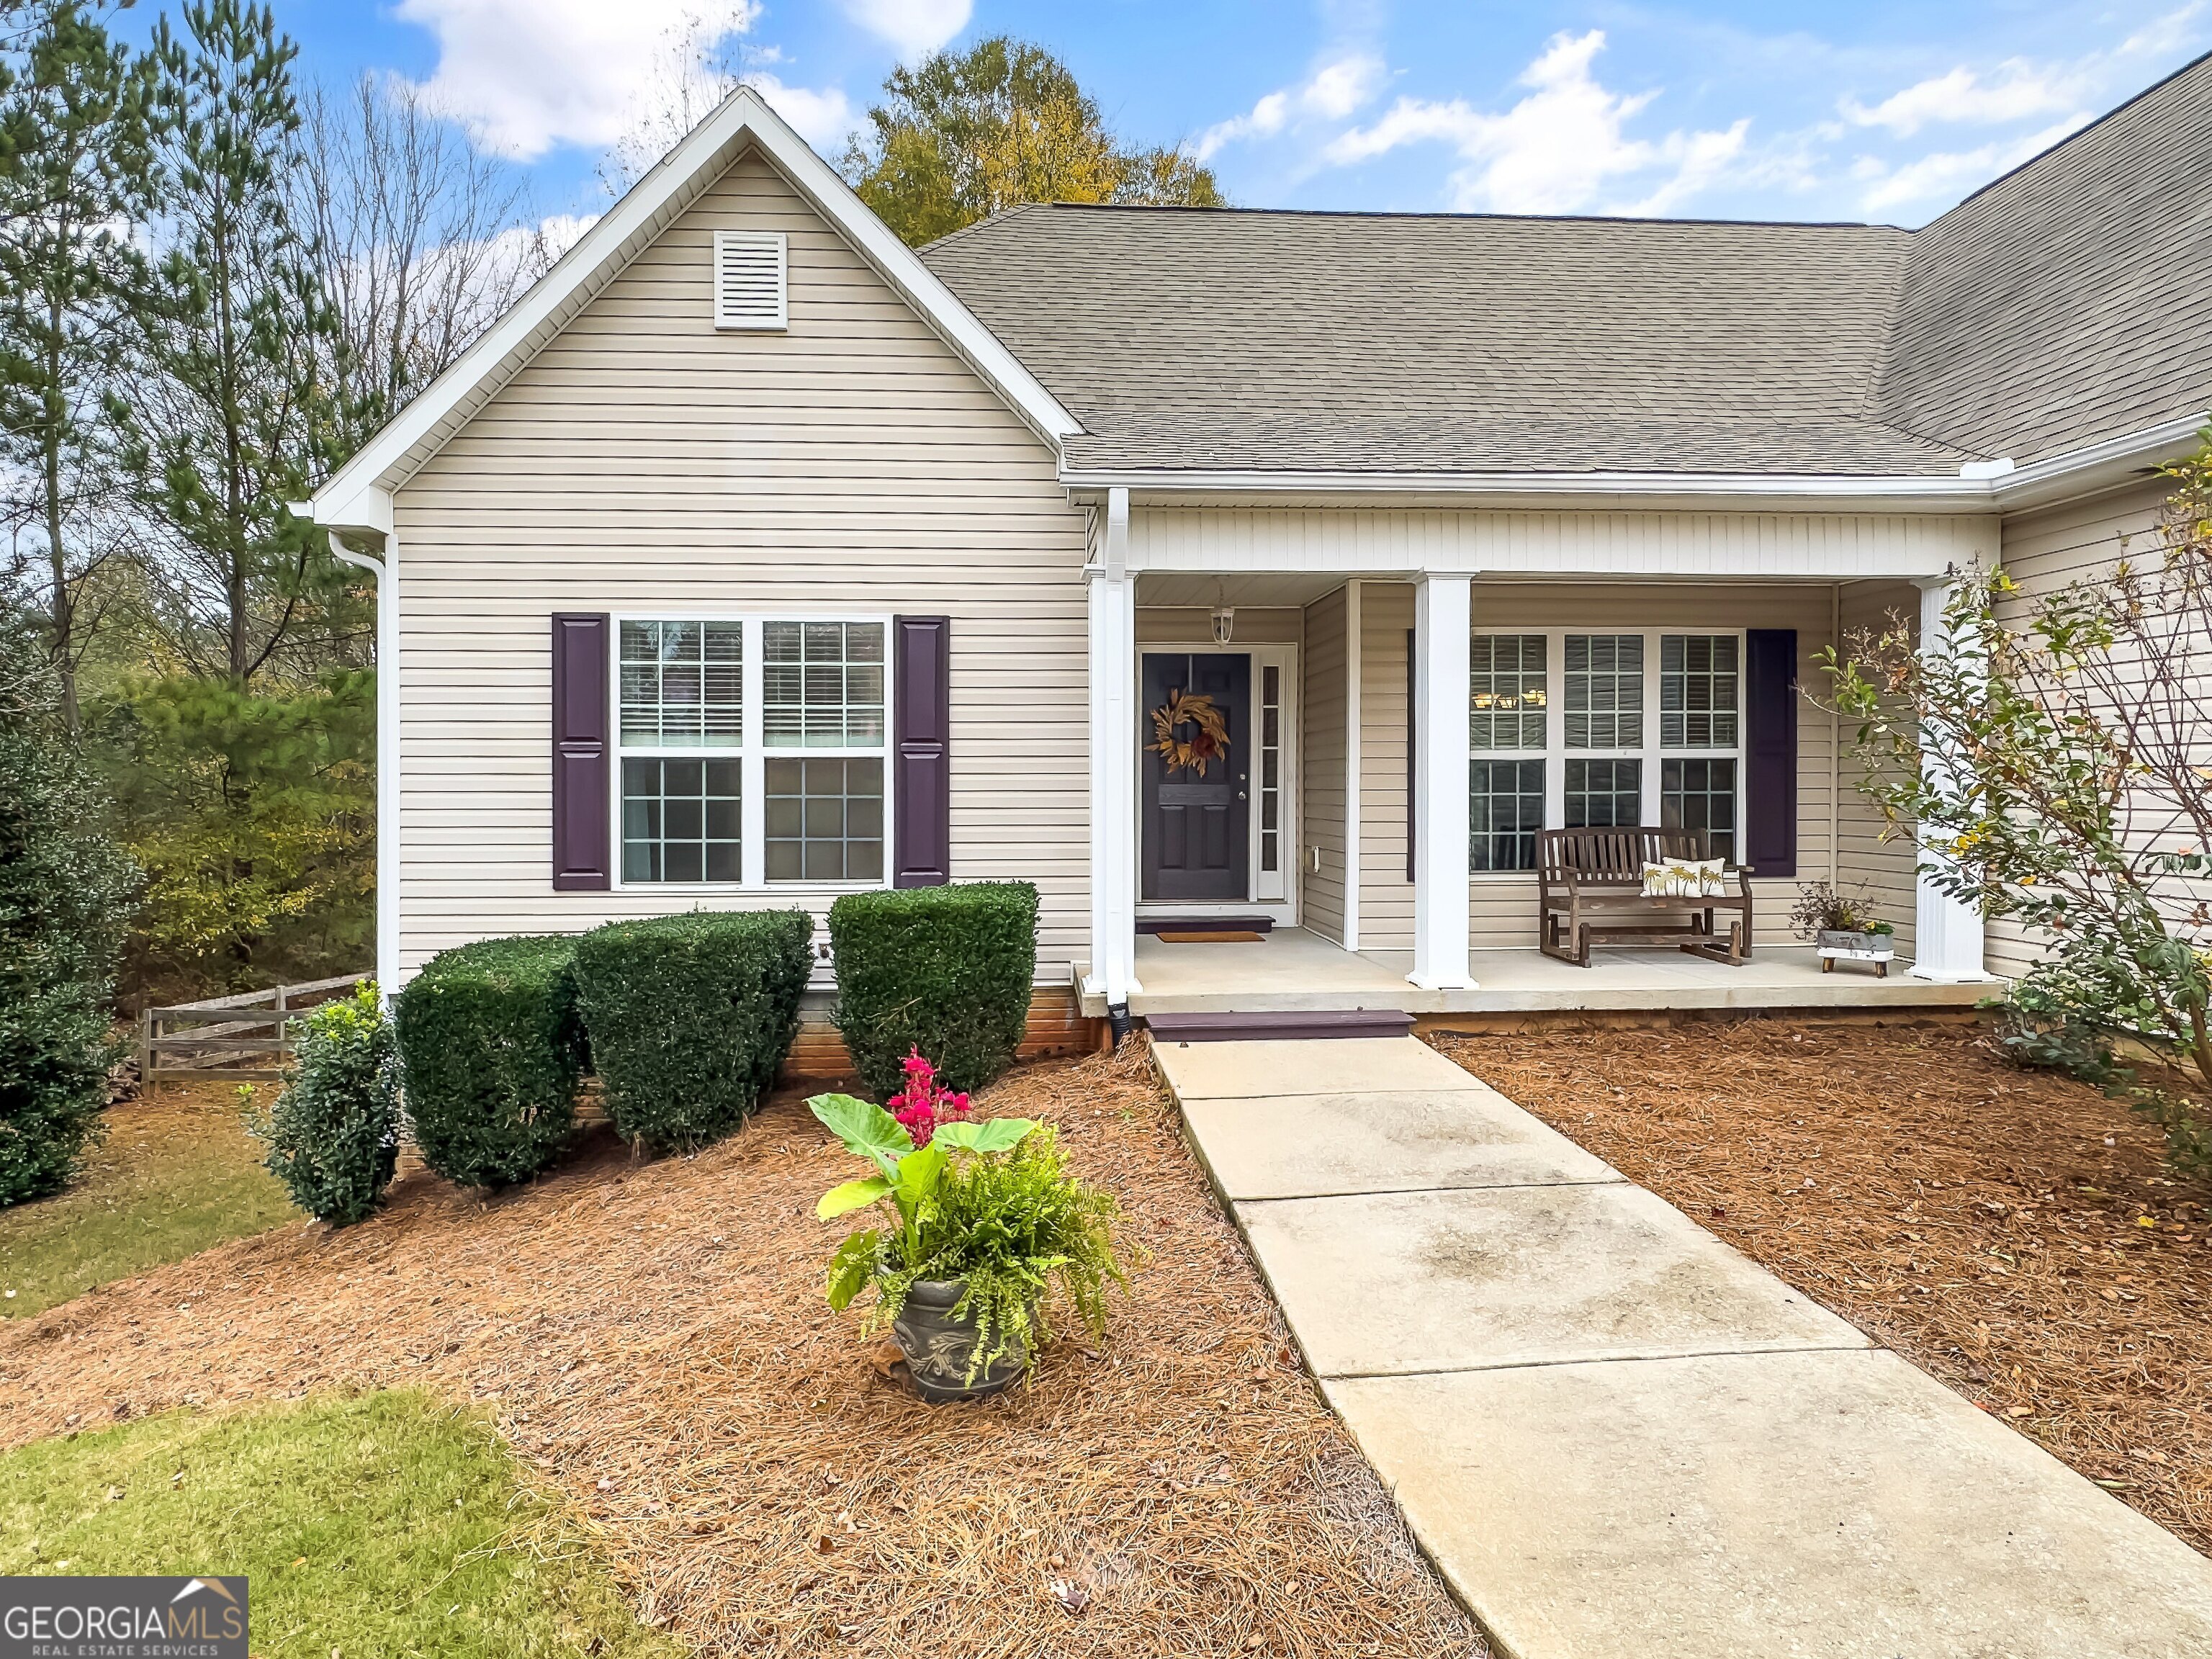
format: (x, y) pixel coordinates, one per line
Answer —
(750, 271)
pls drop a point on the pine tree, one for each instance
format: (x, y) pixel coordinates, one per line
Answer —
(74, 183)
(231, 416)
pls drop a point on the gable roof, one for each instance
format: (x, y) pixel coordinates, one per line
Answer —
(1219, 340)
(358, 496)
(2069, 301)
(2072, 298)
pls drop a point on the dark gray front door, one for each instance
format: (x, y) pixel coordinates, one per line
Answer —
(1197, 825)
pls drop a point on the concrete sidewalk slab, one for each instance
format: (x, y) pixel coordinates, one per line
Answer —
(1838, 1504)
(1216, 1071)
(1308, 1145)
(1383, 1283)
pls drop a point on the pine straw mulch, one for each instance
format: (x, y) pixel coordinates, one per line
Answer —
(2013, 1233)
(653, 1338)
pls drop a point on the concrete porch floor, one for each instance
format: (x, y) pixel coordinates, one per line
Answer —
(1293, 971)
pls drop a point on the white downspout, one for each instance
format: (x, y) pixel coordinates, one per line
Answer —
(386, 570)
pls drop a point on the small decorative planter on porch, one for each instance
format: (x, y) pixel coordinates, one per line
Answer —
(1839, 944)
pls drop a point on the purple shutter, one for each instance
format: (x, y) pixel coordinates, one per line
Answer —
(1769, 841)
(921, 751)
(581, 809)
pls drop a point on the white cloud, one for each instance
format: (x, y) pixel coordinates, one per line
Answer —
(2019, 90)
(1947, 174)
(524, 75)
(916, 27)
(1337, 89)
(1557, 149)
(823, 117)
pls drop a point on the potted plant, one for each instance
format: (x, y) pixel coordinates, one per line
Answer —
(978, 1220)
(1840, 928)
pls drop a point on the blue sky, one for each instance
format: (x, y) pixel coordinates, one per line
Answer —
(1876, 110)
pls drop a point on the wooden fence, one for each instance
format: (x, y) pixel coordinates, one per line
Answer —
(220, 1040)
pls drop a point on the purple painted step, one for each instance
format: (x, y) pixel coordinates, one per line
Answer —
(1280, 1025)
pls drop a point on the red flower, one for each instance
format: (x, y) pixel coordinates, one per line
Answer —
(923, 1105)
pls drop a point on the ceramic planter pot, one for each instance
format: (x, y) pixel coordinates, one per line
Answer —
(938, 1346)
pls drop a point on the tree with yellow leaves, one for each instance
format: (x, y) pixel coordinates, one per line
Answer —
(961, 136)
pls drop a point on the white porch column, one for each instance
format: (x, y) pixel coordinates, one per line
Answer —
(1441, 623)
(1114, 764)
(1947, 942)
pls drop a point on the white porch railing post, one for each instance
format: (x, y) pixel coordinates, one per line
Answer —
(1441, 625)
(1947, 942)
(1114, 765)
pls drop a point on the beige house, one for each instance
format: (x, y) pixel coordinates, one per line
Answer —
(755, 558)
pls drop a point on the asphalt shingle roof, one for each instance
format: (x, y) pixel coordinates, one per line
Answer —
(2071, 299)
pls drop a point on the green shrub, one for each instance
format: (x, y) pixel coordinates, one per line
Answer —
(333, 1134)
(493, 1045)
(944, 970)
(66, 896)
(690, 1016)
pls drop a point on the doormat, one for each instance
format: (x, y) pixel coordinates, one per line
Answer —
(1212, 936)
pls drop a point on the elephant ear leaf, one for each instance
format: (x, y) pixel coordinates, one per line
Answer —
(917, 1175)
(867, 1130)
(852, 1267)
(853, 1195)
(995, 1134)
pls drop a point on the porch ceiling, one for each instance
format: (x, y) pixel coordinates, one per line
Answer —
(1195, 592)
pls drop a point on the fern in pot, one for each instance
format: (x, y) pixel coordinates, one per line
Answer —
(975, 1222)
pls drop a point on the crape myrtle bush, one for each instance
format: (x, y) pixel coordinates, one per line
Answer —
(333, 1134)
(493, 1046)
(944, 970)
(66, 896)
(690, 1017)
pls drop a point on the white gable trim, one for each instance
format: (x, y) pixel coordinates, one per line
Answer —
(348, 500)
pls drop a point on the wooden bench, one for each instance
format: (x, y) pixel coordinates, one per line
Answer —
(1590, 887)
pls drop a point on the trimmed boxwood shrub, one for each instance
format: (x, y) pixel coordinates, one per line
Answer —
(333, 1134)
(944, 970)
(690, 1016)
(492, 1045)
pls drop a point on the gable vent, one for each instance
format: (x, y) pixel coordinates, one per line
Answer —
(749, 279)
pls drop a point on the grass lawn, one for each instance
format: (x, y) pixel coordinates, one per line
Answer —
(177, 1174)
(372, 1524)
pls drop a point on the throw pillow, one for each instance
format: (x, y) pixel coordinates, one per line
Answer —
(1712, 879)
(1672, 880)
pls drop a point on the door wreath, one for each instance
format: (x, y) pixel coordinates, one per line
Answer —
(1210, 743)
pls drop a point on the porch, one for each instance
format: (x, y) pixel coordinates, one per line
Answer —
(1404, 706)
(1290, 969)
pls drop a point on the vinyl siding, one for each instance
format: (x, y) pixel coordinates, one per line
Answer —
(1386, 898)
(1882, 871)
(646, 461)
(2043, 552)
(1321, 708)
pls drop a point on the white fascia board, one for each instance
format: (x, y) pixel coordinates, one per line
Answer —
(2109, 462)
(1768, 491)
(2094, 467)
(599, 253)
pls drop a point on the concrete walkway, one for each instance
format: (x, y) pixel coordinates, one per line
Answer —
(1618, 1437)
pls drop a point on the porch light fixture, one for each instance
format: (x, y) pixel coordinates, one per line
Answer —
(1224, 623)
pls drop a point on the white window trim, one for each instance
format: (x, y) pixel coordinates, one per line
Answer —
(1555, 753)
(751, 754)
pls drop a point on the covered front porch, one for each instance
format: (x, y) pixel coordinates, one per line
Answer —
(1409, 697)
(1290, 969)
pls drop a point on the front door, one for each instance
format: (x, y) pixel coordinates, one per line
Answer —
(1196, 733)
